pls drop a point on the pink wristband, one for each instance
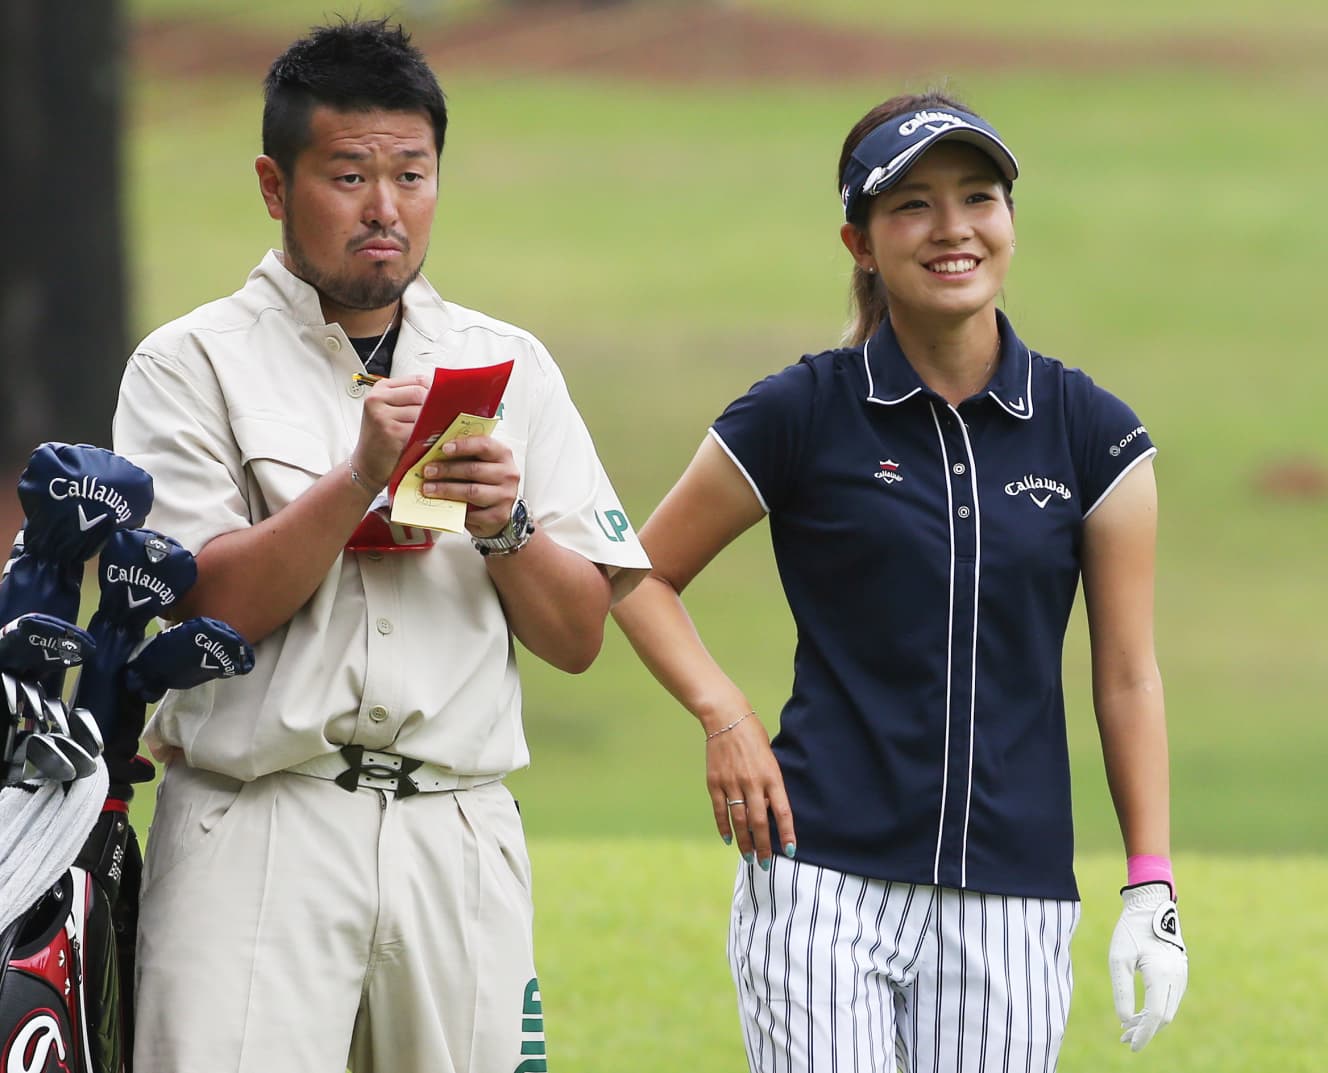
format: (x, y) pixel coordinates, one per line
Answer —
(1147, 868)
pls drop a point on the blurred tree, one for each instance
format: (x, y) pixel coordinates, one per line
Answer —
(62, 305)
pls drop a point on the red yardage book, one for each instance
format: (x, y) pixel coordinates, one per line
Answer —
(453, 392)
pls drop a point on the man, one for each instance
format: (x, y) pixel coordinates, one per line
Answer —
(336, 874)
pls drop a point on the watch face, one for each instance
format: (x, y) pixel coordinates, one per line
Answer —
(520, 516)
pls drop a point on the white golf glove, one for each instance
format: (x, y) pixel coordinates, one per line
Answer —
(1147, 940)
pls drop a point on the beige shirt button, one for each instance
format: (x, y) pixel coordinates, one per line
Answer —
(356, 390)
(377, 713)
(333, 343)
(384, 625)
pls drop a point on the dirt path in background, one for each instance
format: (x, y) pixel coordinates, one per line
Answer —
(711, 43)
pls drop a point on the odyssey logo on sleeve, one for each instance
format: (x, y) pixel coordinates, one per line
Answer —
(1116, 448)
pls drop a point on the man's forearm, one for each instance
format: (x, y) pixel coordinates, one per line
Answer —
(555, 600)
(255, 579)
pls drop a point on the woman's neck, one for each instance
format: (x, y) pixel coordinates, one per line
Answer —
(956, 359)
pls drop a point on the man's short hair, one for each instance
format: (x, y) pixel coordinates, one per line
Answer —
(353, 66)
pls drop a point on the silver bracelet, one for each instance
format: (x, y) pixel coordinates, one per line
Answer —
(724, 730)
(355, 476)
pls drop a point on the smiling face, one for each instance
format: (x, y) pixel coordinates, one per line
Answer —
(357, 209)
(941, 238)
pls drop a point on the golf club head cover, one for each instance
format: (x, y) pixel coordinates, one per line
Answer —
(30, 647)
(187, 654)
(142, 574)
(33, 645)
(74, 497)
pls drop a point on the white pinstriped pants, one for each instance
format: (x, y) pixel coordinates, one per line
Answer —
(841, 974)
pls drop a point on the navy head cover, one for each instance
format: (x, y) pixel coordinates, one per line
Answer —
(33, 645)
(74, 497)
(142, 574)
(186, 655)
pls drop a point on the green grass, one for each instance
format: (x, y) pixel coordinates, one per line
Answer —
(630, 945)
(673, 247)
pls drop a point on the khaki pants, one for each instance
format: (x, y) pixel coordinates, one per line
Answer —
(287, 924)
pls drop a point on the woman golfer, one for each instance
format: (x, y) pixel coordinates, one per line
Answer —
(935, 491)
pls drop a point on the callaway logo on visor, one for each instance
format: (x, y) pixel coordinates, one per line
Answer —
(884, 156)
(933, 123)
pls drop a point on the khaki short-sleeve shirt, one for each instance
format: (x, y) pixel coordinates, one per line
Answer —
(235, 410)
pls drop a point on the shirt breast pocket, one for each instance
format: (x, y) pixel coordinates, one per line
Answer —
(281, 462)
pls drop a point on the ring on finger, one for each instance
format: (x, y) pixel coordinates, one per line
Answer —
(735, 801)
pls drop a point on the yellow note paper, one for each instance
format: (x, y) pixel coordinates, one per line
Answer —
(410, 507)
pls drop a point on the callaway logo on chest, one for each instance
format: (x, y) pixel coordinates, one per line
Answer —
(1040, 489)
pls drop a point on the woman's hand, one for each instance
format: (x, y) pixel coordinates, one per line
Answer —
(747, 790)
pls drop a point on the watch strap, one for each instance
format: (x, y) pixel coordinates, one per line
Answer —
(514, 536)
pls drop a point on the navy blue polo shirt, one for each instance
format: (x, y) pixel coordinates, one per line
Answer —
(930, 556)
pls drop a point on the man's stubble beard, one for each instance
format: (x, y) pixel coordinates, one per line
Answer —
(373, 292)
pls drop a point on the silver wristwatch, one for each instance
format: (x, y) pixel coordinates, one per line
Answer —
(514, 536)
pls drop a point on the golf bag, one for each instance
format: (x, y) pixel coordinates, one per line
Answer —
(60, 997)
(69, 861)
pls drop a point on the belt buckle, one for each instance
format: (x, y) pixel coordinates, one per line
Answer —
(356, 769)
